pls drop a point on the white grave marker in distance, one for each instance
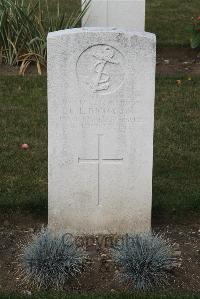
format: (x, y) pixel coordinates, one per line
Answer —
(126, 14)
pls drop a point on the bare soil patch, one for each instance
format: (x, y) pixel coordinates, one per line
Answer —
(100, 275)
(173, 61)
(15, 70)
(170, 61)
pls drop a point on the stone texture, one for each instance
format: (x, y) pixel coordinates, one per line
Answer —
(101, 115)
(126, 14)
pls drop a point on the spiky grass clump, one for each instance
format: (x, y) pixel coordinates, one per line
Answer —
(24, 26)
(144, 260)
(51, 260)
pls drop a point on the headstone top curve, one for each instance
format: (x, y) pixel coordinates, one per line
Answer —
(59, 33)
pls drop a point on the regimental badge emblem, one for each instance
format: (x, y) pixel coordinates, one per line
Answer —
(100, 69)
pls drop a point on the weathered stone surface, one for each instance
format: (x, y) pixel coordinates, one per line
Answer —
(126, 14)
(101, 115)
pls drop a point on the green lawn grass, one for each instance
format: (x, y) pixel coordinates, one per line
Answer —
(116, 296)
(168, 19)
(176, 180)
(23, 117)
(23, 173)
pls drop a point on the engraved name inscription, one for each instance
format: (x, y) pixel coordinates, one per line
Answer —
(111, 114)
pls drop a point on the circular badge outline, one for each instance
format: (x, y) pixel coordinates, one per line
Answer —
(122, 66)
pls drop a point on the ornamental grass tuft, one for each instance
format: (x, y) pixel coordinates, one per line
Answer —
(50, 260)
(24, 26)
(144, 260)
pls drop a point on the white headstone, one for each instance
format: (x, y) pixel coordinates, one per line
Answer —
(101, 118)
(126, 14)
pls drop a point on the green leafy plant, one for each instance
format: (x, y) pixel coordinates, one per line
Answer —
(50, 260)
(144, 260)
(24, 26)
(195, 37)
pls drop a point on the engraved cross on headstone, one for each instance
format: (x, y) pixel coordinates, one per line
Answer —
(100, 161)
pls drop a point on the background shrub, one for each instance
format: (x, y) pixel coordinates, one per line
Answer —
(50, 260)
(24, 26)
(195, 37)
(144, 260)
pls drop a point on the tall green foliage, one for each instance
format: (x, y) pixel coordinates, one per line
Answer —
(24, 26)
